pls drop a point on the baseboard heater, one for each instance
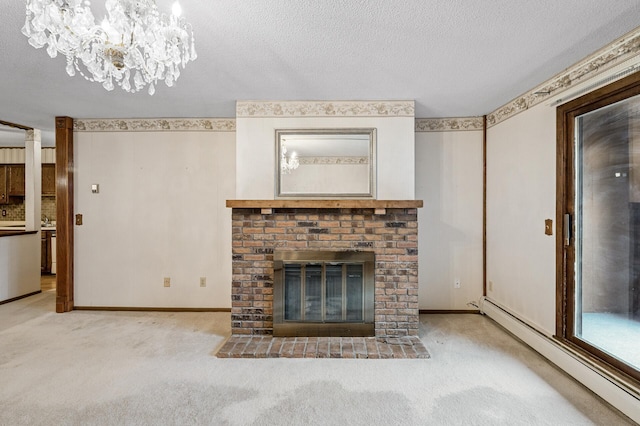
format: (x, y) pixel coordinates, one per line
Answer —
(621, 394)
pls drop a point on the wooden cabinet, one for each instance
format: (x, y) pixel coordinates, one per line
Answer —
(12, 181)
(4, 193)
(16, 180)
(45, 253)
(49, 179)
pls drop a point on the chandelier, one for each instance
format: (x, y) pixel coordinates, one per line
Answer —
(288, 164)
(133, 47)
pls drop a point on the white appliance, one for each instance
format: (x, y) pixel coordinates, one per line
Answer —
(53, 254)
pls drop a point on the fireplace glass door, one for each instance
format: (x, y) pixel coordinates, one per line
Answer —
(313, 295)
(323, 292)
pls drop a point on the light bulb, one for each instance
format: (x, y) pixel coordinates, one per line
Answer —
(176, 10)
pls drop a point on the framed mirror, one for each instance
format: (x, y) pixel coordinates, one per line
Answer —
(325, 163)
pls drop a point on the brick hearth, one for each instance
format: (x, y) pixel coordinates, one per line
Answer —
(409, 347)
(387, 228)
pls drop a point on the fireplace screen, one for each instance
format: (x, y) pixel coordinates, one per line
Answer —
(323, 293)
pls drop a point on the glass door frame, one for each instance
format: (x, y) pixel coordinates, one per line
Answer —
(566, 291)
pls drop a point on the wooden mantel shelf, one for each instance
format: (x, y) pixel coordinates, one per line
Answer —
(325, 204)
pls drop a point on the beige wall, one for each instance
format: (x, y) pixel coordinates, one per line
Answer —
(449, 180)
(521, 194)
(160, 213)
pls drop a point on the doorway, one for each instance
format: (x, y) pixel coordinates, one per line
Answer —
(599, 208)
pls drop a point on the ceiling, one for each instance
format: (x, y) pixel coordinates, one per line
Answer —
(455, 58)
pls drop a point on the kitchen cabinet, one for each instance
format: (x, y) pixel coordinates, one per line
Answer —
(45, 253)
(16, 180)
(48, 179)
(12, 181)
(4, 193)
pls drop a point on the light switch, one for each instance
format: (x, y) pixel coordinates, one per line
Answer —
(79, 219)
(548, 227)
(95, 188)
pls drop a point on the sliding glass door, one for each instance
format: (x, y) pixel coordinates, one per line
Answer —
(600, 214)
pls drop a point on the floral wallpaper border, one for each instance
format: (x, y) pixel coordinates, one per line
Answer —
(333, 160)
(448, 124)
(155, 124)
(255, 109)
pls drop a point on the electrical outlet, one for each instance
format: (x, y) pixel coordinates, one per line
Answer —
(4, 212)
(456, 283)
(203, 281)
(490, 285)
(167, 282)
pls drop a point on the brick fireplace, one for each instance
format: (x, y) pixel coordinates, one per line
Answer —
(388, 229)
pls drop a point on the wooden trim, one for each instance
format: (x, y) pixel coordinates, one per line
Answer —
(148, 309)
(17, 126)
(14, 233)
(64, 214)
(448, 311)
(13, 299)
(484, 205)
(565, 203)
(325, 204)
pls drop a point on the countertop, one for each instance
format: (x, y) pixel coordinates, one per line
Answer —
(18, 226)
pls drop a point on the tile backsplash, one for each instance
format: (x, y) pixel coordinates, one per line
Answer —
(49, 207)
(15, 211)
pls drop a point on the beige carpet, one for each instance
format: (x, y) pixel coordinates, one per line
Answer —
(116, 368)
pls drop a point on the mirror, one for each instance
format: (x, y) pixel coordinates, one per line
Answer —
(325, 163)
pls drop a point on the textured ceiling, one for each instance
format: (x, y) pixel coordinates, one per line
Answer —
(454, 58)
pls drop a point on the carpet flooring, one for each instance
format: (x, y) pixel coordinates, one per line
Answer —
(159, 368)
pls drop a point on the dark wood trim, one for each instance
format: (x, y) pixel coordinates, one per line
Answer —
(64, 214)
(484, 205)
(565, 203)
(13, 299)
(147, 309)
(325, 204)
(561, 208)
(448, 311)
(14, 233)
(17, 126)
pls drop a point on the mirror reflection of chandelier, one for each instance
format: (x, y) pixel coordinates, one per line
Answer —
(135, 45)
(288, 164)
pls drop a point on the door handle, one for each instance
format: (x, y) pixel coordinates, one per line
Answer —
(567, 229)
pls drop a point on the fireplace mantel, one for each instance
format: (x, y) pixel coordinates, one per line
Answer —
(324, 204)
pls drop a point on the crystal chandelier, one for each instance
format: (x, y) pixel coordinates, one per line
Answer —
(135, 45)
(288, 164)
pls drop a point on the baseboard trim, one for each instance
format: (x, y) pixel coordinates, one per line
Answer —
(13, 299)
(448, 311)
(148, 309)
(615, 390)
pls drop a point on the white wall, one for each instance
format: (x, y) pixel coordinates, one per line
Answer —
(449, 180)
(255, 153)
(19, 265)
(160, 213)
(521, 194)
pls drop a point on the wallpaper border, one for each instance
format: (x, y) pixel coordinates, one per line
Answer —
(155, 125)
(283, 109)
